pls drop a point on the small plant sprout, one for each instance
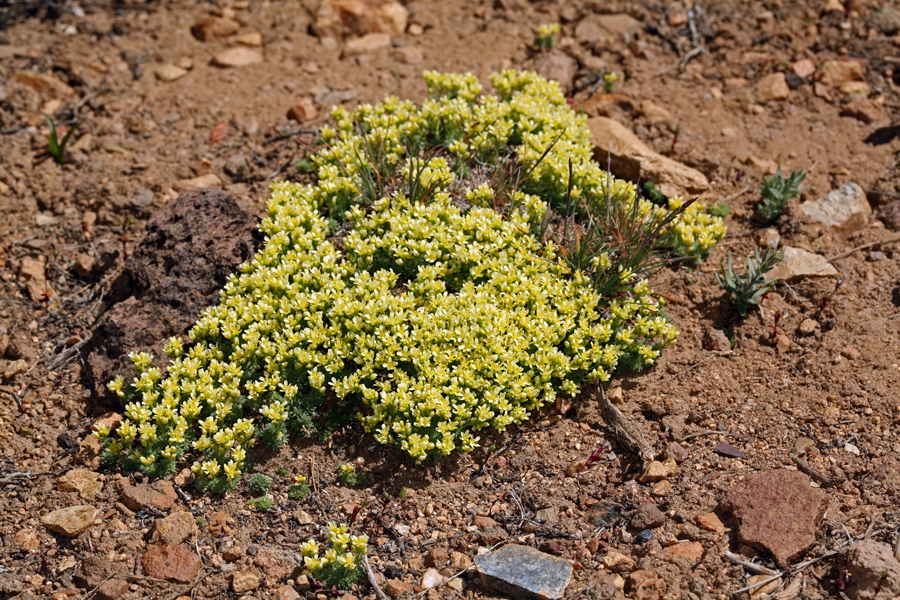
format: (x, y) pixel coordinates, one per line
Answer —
(825, 301)
(259, 483)
(545, 36)
(261, 504)
(282, 472)
(774, 327)
(304, 165)
(348, 475)
(720, 209)
(746, 290)
(609, 81)
(126, 236)
(299, 490)
(777, 190)
(675, 137)
(56, 147)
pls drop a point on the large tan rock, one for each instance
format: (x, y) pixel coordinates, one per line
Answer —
(371, 42)
(616, 27)
(772, 87)
(836, 72)
(337, 18)
(800, 264)
(634, 160)
(844, 208)
(71, 521)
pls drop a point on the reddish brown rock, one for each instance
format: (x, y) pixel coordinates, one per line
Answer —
(710, 522)
(646, 585)
(437, 558)
(172, 562)
(556, 547)
(337, 18)
(648, 516)
(112, 589)
(275, 562)
(139, 497)
(304, 110)
(190, 249)
(692, 551)
(396, 588)
(173, 529)
(776, 511)
(94, 570)
(890, 215)
(863, 110)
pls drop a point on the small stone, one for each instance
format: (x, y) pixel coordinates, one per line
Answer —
(237, 166)
(524, 573)
(172, 562)
(286, 592)
(872, 567)
(71, 521)
(184, 478)
(244, 581)
(763, 166)
(821, 91)
(617, 562)
(410, 55)
(371, 42)
(556, 547)
(233, 553)
(27, 540)
(772, 87)
(174, 529)
(655, 470)
(833, 6)
(648, 516)
(94, 570)
(676, 451)
(776, 511)
(437, 557)
(169, 73)
(15, 367)
(728, 451)
(87, 483)
(876, 256)
(47, 86)
(646, 585)
(550, 515)
(885, 20)
(763, 588)
(304, 110)
(800, 264)
(139, 497)
(253, 39)
(112, 589)
(836, 72)
(890, 215)
(768, 238)
(215, 28)
(851, 448)
(804, 68)
(715, 340)
(655, 113)
(677, 18)
(710, 522)
(849, 352)
(459, 561)
(693, 551)
(855, 87)
(807, 327)
(616, 395)
(643, 536)
(210, 180)
(84, 264)
(802, 445)
(237, 57)
(396, 588)
(863, 110)
(556, 66)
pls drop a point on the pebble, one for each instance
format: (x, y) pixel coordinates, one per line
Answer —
(71, 521)
(836, 72)
(862, 109)
(648, 516)
(304, 110)
(800, 264)
(617, 562)
(710, 522)
(210, 180)
(169, 73)
(237, 57)
(215, 28)
(772, 87)
(171, 561)
(244, 581)
(84, 264)
(655, 470)
(173, 529)
(27, 540)
(804, 68)
(850, 353)
(87, 483)
(371, 42)
(646, 585)
(693, 551)
(253, 39)
(802, 444)
(431, 578)
(397, 587)
(643, 536)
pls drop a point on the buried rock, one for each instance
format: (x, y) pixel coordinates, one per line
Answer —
(524, 573)
(872, 569)
(190, 248)
(776, 511)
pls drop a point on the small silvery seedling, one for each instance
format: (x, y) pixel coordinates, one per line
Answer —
(777, 190)
(745, 290)
(259, 483)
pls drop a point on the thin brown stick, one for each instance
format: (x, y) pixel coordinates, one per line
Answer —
(758, 569)
(368, 569)
(863, 247)
(627, 434)
(191, 587)
(737, 194)
(809, 470)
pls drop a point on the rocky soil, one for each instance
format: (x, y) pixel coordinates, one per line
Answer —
(775, 461)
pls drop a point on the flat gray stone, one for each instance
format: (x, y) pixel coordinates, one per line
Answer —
(844, 208)
(524, 573)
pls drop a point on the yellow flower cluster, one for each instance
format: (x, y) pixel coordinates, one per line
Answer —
(339, 564)
(437, 319)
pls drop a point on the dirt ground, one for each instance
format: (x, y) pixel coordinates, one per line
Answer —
(143, 140)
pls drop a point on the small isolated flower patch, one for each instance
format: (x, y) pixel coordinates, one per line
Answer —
(415, 288)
